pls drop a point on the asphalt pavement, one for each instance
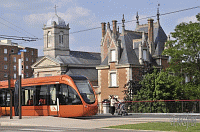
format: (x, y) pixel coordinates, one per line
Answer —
(94, 122)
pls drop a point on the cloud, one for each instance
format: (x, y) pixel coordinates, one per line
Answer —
(76, 15)
(187, 19)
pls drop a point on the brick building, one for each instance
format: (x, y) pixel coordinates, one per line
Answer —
(9, 60)
(124, 54)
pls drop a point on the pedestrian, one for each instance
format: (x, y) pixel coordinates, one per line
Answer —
(112, 105)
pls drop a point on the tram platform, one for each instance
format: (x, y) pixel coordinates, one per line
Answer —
(97, 121)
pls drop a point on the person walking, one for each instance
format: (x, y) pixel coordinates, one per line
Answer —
(112, 105)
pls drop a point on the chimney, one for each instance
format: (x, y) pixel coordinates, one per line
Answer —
(140, 54)
(123, 26)
(108, 25)
(114, 22)
(150, 36)
(103, 26)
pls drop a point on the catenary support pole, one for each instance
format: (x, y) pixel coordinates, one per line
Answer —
(20, 100)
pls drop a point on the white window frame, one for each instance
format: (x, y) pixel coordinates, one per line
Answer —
(14, 68)
(31, 52)
(26, 58)
(14, 59)
(26, 67)
(5, 67)
(15, 76)
(112, 55)
(144, 54)
(5, 75)
(113, 79)
(5, 51)
(5, 59)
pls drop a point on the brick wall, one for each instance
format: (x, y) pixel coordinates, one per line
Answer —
(14, 49)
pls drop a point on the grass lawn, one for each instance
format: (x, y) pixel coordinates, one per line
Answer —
(162, 126)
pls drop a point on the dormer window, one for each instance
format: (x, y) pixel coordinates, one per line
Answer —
(61, 38)
(144, 54)
(113, 56)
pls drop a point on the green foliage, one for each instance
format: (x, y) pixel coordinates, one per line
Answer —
(164, 86)
(185, 50)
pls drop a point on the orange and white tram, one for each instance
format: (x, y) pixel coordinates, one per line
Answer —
(64, 96)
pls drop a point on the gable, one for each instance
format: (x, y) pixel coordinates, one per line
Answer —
(46, 63)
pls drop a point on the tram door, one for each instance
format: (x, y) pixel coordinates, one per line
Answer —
(69, 101)
(53, 107)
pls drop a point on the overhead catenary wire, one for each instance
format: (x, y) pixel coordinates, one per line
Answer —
(18, 38)
(141, 18)
(16, 26)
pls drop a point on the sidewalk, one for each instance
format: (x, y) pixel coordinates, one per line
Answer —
(97, 121)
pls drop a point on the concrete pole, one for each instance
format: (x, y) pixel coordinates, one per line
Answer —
(10, 87)
(20, 99)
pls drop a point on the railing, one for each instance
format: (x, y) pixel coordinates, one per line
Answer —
(163, 106)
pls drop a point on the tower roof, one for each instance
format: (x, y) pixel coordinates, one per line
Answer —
(58, 20)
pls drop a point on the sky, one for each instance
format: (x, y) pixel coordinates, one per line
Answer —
(26, 18)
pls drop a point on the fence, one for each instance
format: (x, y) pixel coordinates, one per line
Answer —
(163, 106)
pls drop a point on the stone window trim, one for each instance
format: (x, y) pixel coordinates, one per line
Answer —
(5, 51)
(61, 37)
(5, 59)
(14, 59)
(113, 55)
(48, 39)
(5, 67)
(5, 75)
(109, 79)
(14, 68)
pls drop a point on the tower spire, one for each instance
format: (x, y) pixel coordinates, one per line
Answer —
(137, 17)
(123, 26)
(158, 14)
(55, 9)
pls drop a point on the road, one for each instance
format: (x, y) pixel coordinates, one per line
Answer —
(95, 123)
(53, 129)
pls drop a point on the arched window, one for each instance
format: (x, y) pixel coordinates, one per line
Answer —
(48, 39)
(61, 38)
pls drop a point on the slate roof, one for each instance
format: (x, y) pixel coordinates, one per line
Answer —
(130, 55)
(159, 36)
(91, 74)
(80, 58)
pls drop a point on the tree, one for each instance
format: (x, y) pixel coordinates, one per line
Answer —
(185, 51)
(163, 86)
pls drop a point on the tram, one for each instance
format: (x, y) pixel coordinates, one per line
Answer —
(63, 96)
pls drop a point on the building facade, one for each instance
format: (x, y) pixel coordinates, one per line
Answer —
(124, 54)
(58, 59)
(9, 60)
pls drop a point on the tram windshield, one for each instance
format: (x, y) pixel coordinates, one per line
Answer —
(85, 90)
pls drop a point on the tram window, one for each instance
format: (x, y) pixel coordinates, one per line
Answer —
(2, 97)
(52, 94)
(28, 95)
(43, 95)
(68, 96)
